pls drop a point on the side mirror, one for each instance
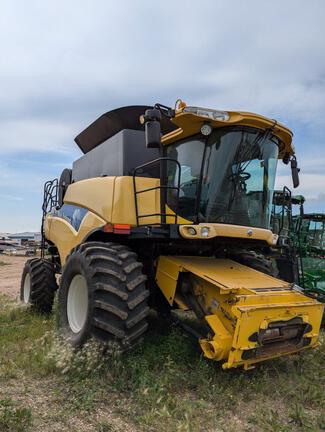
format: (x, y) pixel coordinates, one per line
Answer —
(295, 172)
(151, 120)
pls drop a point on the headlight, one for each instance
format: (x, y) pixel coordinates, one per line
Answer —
(209, 113)
(205, 231)
(191, 231)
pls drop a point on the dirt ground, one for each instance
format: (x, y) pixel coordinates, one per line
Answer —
(10, 274)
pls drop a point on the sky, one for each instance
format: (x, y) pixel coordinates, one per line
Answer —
(65, 63)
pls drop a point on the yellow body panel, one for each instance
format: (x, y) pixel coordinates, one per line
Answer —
(190, 124)
(94, 194)
(239, 302)
(228, 275)
(111, 200)
(124, 203)
(65, 237)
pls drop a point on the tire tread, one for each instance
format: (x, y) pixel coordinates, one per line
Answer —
(118, 293)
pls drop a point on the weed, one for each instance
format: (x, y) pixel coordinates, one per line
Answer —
(81, 363)
(14, 419)
(105, 426)
(269, 420)
(300, 417)
(20, 328)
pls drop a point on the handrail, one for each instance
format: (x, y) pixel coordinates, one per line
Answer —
(50, 200)
(163, 187)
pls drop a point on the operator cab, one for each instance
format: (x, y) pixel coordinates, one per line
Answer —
(226, 164)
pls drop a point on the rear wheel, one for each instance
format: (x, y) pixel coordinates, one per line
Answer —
(103, 295)
(38, 284)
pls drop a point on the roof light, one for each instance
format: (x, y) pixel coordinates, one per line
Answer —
(180, 104)
(209, 113)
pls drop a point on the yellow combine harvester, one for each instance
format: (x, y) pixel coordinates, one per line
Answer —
(170, 208)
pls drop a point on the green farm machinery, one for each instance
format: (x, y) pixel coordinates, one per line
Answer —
(309, 235)
(300, 251)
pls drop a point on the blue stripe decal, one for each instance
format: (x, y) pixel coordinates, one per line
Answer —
(73, 214)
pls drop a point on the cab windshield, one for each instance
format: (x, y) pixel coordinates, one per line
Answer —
(316, 233)
(227, 178)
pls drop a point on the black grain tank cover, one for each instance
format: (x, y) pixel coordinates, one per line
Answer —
(113, 122)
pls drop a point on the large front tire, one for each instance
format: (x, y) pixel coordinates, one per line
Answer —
(257, 261)
(38, 285)
(103, 295)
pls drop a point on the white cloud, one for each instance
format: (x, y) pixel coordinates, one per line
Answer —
(311, 186)
(10, 197)
(35, 134)
(64, 63)
(258, 56)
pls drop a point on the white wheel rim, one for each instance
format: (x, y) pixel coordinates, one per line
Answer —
(77, 303)
(27, 288)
